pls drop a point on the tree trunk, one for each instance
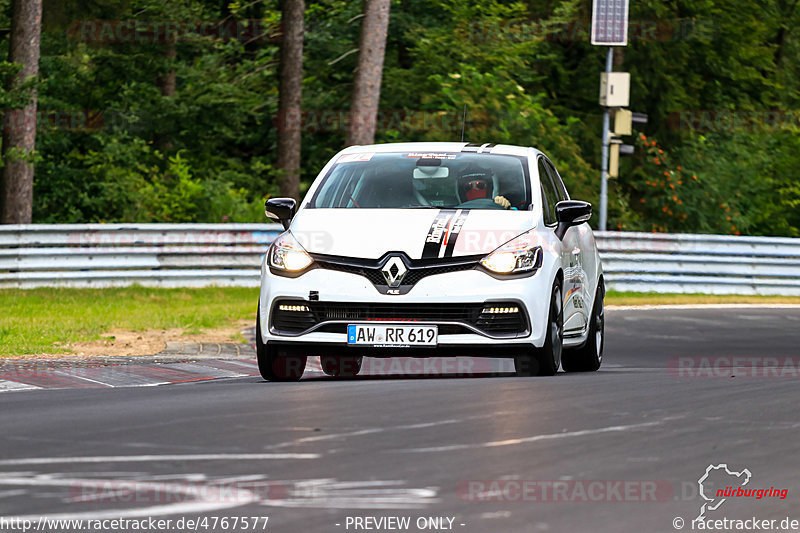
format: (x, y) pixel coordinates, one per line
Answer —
(787, 12)
(167, 82)
(19, 125)
(166, 85)
(367, 85)
(290, 98)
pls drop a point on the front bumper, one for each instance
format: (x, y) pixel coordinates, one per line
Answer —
(470, 289)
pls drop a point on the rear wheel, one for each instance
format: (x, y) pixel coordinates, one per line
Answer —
(277, 363)
(589, 357)
(344, 367)
(544, 361)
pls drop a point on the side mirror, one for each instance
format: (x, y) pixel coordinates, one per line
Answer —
(280, 209)
(571, 213)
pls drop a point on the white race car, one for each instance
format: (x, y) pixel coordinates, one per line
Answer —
(432, 249)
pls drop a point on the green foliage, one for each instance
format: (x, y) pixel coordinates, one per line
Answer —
(15, 98)
(129, 181)
(755, 177)
(177, 197)
(722, 185)
(114, 146)
(672, 198)
(465, 59)
(204, 154)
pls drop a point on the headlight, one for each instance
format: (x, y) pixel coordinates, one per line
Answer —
(515, 257)
(286, 254)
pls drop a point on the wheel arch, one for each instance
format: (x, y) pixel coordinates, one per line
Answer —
(559, 277)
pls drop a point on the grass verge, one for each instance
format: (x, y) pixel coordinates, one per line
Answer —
(44, 321)
(51, 321)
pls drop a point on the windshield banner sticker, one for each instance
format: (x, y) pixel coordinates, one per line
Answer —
(352, 158)
(431, 156)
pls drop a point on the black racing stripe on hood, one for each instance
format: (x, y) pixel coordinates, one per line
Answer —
(435, 236)
(455, 231)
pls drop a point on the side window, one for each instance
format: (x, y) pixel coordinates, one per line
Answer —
(549, 194)
(562, 191)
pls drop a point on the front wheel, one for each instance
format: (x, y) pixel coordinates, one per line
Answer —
(544, 361)
(589, 357)
(277, 363)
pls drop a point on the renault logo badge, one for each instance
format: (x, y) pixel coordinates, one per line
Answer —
(394, 271)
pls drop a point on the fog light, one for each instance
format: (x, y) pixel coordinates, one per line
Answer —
(301, 308)
(500, 310)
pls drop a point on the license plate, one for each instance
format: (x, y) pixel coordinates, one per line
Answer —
(392, 335)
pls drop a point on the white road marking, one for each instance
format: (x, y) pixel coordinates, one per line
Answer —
(536, 438)
(699, 306)
(73, 375)
(191, 498)
(152, 458)
(251, 365)
(429, 424)
(766, 318)
(331, 436)
(6, 386)
(206, 501)
(191, 478)
(609, 366)
(369, 431)
(239, 479)
(332, 494)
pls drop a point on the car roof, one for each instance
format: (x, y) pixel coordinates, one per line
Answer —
(504, 149)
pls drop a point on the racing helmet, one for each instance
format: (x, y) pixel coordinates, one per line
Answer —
(475, 182)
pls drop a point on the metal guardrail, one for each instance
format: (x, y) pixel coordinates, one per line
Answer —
(194, 255)
(115, 255)
(706, 264)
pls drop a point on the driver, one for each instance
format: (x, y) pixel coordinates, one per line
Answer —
(475, 183)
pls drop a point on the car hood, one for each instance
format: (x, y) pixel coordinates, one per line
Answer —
(419, 233)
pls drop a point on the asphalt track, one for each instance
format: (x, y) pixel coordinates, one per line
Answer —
(481, 450)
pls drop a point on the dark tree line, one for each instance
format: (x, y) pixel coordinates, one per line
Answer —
(208, 107)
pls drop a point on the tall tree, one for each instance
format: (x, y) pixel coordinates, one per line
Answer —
(290, 97)
(166, 84)
(19, 131)
(367, 85)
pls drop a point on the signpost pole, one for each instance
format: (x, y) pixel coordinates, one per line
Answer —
(609, 28)
(604, 160)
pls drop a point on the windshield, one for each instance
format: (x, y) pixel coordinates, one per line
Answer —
(425, 180)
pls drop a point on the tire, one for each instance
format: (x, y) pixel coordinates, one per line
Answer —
(589, 357)
(343, 367)
(277, 363)
(544, 361)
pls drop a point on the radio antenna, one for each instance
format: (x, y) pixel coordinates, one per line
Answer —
(463, 122)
